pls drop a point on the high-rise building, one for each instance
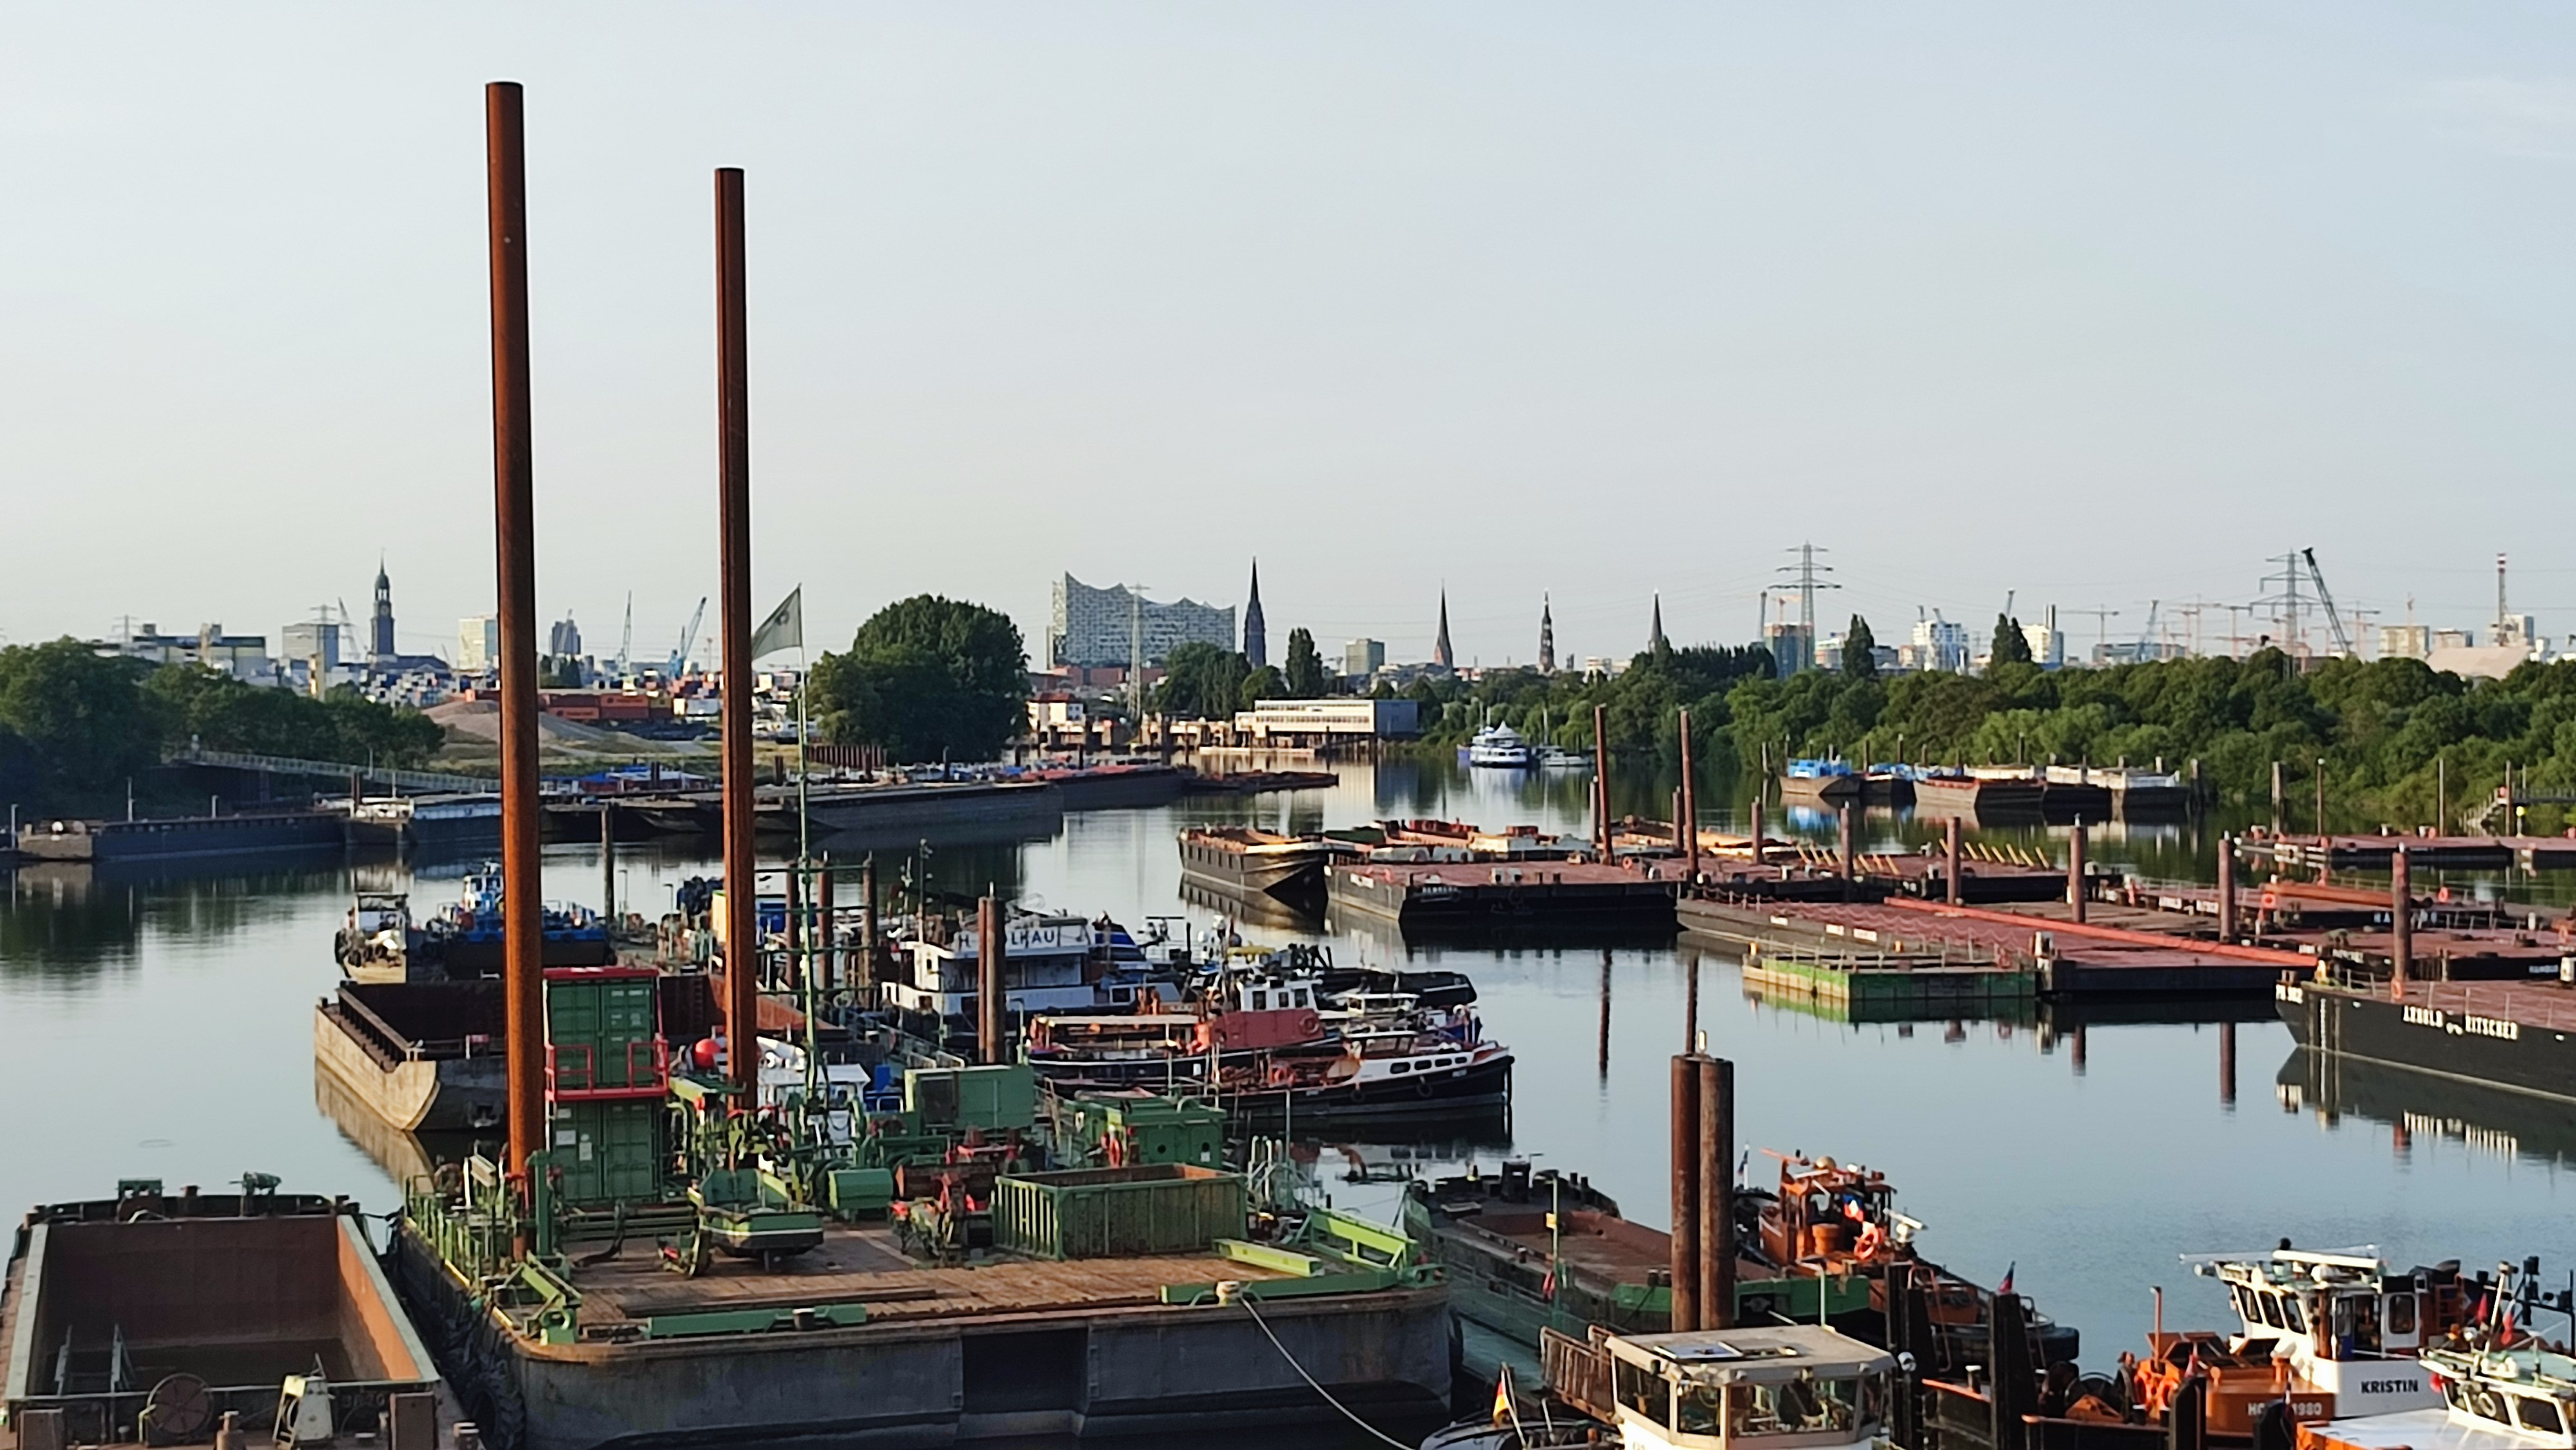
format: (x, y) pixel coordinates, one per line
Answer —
(1256, 630)
(1440, 652)
(1362, 658)
(383, 643)
(1939, 645)
(1546, 638)
(1106, 626)
(314, 639)
(478, 643)
(564, 640)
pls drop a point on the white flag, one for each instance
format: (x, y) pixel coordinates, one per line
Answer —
(784, 628)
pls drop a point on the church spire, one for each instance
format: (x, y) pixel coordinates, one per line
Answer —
(1440, 654)
(1655, 635)
(1256, 630)
(1546, 638)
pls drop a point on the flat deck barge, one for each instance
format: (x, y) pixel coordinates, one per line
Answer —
(2515, 1036)
(1535, 895)
(2373, 852)
(855, 1343)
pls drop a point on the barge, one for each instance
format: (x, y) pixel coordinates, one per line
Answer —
(181, 838)
(1539, 896)
(423, 1056)
(2511, 1036)
(153, 1317)
(1246, 860)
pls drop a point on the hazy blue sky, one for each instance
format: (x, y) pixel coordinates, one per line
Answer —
(2098, 302)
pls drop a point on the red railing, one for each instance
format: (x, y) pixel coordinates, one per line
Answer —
(572, 1073)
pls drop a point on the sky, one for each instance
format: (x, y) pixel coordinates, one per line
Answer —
(2098, 304)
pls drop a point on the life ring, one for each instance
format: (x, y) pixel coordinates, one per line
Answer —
(1872, 1239)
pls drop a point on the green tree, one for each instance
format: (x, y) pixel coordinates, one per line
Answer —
(1202, 682)
(927, 678)
(210, 708)
(1265, 683)
(2012, 647)
(1306, 677)
(1860, 650)
(76, 716)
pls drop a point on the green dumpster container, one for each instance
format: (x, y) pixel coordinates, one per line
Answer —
(1102, 1213)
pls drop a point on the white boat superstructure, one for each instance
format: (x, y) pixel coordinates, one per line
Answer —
(2500, 1386)
(1500, 747)
(2345, 1329)
(1802, 1386)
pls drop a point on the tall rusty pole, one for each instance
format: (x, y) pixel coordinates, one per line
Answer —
(2226, 888)
(733, 422)
(514, 517)
(2075, 873)
(1684, 1266)
(1716, 1193)
(1601, 778)
(1689, 812)
(2401, 923)
(1950, 861)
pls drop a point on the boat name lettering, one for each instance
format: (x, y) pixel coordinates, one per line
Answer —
(2492, 1027)
(2391, 1387)
(2427, 1017)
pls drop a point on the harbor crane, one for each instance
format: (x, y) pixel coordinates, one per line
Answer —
(688, 639)
(2325, 598)
(2147, 636)
(626, 640)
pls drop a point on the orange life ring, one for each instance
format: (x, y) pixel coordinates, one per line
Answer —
(1872, 1239)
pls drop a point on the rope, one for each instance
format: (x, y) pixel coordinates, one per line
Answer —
(1347, 1413)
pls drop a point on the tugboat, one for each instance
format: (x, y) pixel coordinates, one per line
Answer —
(466, 933)
(377, 941)
(2336, 1334)
(1830, 1218)
(2500, 1385)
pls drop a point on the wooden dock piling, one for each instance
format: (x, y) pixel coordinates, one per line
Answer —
(1685, 1164)
(1716, 1193)
(1950, 859)
(2075, 892)
(2401, 924)
(990, 1001)
(2226, 888)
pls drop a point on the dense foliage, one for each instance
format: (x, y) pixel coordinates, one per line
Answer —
(1641, 703)
(73, 720)
(1207, 682)
(929, 679)
(2380, 726)
(1305, 676)
(1860, 650)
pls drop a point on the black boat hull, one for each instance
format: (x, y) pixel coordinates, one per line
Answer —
(2494, 1052)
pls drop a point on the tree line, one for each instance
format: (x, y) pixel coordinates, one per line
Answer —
(75, 723)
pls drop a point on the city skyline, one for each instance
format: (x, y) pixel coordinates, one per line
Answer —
(2112, 282)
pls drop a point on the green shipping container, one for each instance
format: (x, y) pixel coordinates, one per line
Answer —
(996, 1096)
(602, 1031)
(1103, 1213)
(609, 1152)
(1150, 1130)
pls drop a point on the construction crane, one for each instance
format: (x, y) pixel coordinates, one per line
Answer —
(688, 638)
(2147, 636)
(2325, 598)
(626, 640)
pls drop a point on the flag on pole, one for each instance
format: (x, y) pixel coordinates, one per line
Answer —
(2006, 1286)
(784, 628)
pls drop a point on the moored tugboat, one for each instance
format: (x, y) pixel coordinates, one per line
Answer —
(2499, 1385)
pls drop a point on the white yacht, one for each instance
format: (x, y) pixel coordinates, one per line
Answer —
(1499, 746)
(1800, 1385)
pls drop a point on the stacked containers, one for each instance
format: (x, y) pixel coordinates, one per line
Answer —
(607, 1073)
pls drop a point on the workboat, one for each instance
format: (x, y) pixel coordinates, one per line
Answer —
(466, 934)
(1528, 1251)
(1839, 1219)
(1819, 782)
(1557, 757)
(1257, 862)
(157, 1317)
(1792, 1385)
(1500, 747)
(2335, 1334)
(377, 941)
(2499, 1385)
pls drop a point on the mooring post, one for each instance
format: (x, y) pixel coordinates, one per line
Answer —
(1685, 1162)
(2075, 873)
(1601, 1066)
(733, 418)
(2401, 923)
(2278, 797)
(1689, 812)
(795, 973)
(1950, 860)
(989, 991)
(1848, 865)
(1601, 777)
(868, 948)
(1716, 1193)
(608, 860)
(2226, 888)
(1761, 851)
(515, 527)
(827, 940)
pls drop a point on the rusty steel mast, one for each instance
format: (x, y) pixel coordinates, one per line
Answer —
(733, 421)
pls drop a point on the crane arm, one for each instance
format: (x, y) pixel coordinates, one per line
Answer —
(2325, 597)
(688, 639)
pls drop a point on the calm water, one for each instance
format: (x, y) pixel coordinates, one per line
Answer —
(163, 1028)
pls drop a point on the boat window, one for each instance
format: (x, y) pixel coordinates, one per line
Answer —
(1260, 1001)
(2244, 1299)
(1401, 1067)
(2539, 1414)
(2293, 1315)
(2268, 1309)
(2401, 1315)
(1797, 1407)
(1642, 1390)
(2486, 1404)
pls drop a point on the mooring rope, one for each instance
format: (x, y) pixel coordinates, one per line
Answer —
(1347, 1412)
